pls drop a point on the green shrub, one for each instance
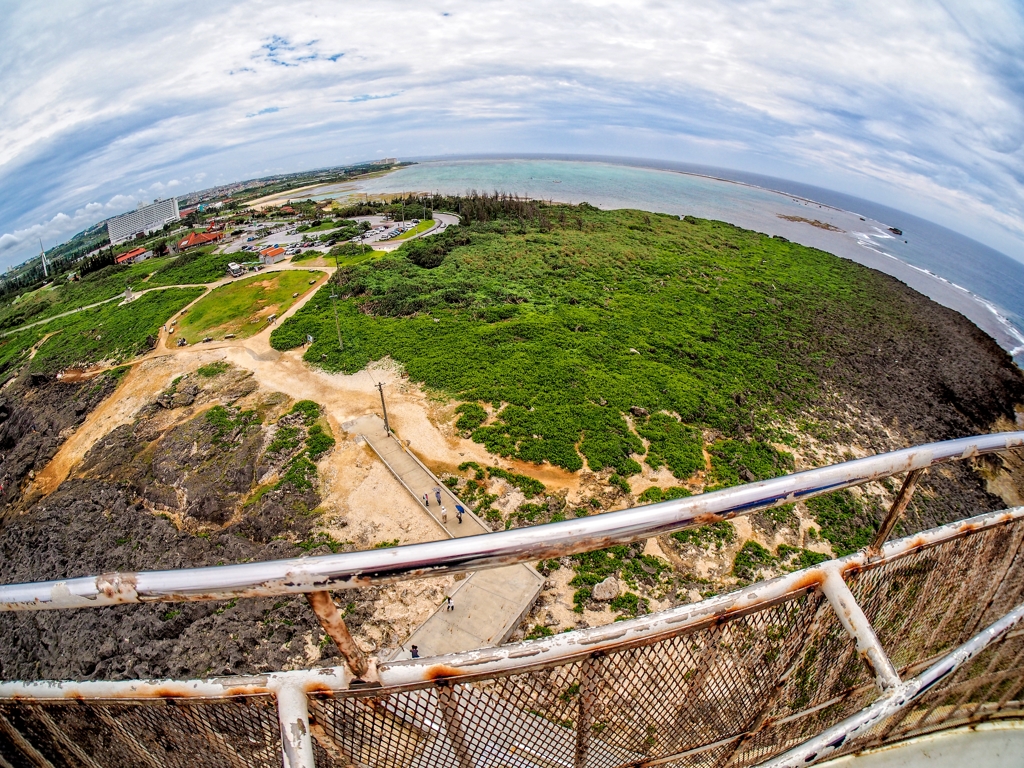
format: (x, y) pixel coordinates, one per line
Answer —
(299, 473)
(318, 442)
(618, 481)
(285, 439)
(527, 485)
(672, 444)
(538, 631)
(736, 461)
(629, 604)
(654, 494)
(310, 410)
(843, 521)
(750, 561)
(212, 369)
(716, 534)
(226, 420)
(472, 417)
(478, 471)
(801, 558)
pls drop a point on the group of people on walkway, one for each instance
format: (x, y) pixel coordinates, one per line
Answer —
(459, 509)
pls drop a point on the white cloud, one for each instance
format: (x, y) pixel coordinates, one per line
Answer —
(912, 103)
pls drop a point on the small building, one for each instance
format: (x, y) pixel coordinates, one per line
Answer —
(288, 209)
(199, 238)
(133, 256)
(272, 255)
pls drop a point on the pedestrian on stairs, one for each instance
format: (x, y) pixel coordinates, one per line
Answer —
(459, 512)
(450, 604)
(444, 515)
(426, 499)
(437, 493)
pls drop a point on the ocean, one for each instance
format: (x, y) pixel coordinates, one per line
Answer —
(979, 282)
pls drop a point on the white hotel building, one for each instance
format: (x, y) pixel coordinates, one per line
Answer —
(144, 219)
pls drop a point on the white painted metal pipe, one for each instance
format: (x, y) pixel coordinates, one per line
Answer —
(857, 626)
(493, 550)
(293, 715)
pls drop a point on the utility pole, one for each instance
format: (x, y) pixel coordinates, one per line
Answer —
(387, 428)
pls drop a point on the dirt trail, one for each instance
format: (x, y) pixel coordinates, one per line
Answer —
(140, 385)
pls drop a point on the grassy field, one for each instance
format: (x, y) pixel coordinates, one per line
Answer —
(105, 333)
(97, 286)
(242, 308)
(566, 325)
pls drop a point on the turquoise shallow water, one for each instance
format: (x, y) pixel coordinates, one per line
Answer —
(981, 283)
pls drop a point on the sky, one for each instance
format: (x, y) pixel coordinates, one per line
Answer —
(916, 105)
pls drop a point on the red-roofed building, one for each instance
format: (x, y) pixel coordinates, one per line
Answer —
(272, 255)
(201, 238)
(135, 254)
(287, 209)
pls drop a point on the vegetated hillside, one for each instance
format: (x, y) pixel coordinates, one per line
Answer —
(604, 340)
(569, 319)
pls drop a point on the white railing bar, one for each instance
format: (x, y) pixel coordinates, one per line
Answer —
(293, 716)
(856, 624)
(491, 550)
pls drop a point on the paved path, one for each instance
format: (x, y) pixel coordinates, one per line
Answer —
(488, 604)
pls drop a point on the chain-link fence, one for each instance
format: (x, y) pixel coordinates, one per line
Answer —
(734, 688)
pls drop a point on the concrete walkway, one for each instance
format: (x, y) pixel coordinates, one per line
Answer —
(488, 604)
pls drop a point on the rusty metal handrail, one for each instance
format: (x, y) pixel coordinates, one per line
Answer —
(291, 689)
(435, 558)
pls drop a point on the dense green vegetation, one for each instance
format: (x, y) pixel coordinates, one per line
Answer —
(625, 561)
(799, 557)
(199, 265)
(672, 444)
(655, 494)
(846, 521)
(472, 416)
(751, 560)
(105, 333)
(300, 471)
(715, 534)
(566, 317)
(735, 461)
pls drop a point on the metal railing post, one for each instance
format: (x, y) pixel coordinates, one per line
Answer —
(453, 726)
(859, 628)
(589, 684)
(334, 625)
(899, 506)
(293, 717)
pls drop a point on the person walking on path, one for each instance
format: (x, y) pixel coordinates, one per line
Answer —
(415, 651)
(444, 515)
(437, 493)
(459, 512)
(426, 499)
(450, 604)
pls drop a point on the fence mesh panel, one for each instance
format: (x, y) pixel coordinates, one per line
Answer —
(239, 732)
(731, 693)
